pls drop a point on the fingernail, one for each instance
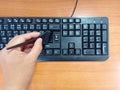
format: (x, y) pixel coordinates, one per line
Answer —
(39, 39)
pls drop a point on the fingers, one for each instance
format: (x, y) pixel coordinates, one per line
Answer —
(36, 50)
(22, 38)
(30, 35)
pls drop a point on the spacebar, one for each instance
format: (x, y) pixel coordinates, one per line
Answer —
(51, 45)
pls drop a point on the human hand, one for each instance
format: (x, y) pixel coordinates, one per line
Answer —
(18, 64)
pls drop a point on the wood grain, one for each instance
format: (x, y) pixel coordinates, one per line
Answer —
(103, 75)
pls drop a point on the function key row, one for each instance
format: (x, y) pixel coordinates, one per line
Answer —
(29, 20)
(40, 20)
(45, 20)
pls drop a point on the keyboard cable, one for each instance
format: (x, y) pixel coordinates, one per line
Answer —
(74, 8)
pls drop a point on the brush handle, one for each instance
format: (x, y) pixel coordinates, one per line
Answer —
(24, 43)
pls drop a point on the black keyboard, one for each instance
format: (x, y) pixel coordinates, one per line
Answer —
(72, 39)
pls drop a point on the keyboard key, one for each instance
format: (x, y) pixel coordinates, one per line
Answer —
(65, 26)
(92, 45)
(104, 36)
(37, 20)
(4, 40)
(12, 27)
(77, 26)
(89, 52)
(71, 26)
(98, 39)
(19, 27)
(77, 20)
(15, 20)
(22, 32)
(51, 45)
(71, 33)
(10, 38)
(98, 32)
(49, 52)
(98, 51)
(32, 27)
(1, 27)
(38, 26)
(9, 33)
(44, 26)
(51, 20)
(21, 20)
(78, 51)
(28, 20)
(98, 45)
(25, 26)
(85, 32)
(104, 26)
(98, 27)
(15, 33)
(85, 39)
(65, 33)
(64, 20)
(92, 32)
(44, 20)
(65, 51)
(91, 39)
(92, 26)
(54, 26)
(57, 37)
(85, 26)
(71, 51)
(104, 48)
(5, 27)
(77, 33)
(2, 33)
(57, 20)
(9, 20)
(85, 45)
(71, 45)
(1, 46)
(56, 51)
(41, 32)
(71, 20)
(1, 20)
(28, 31)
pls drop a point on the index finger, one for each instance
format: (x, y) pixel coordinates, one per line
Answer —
(28, 36)
(22, 38)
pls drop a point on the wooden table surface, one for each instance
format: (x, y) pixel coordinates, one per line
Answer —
(103, 75)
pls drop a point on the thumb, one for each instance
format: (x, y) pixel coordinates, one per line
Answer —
(36, 50)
